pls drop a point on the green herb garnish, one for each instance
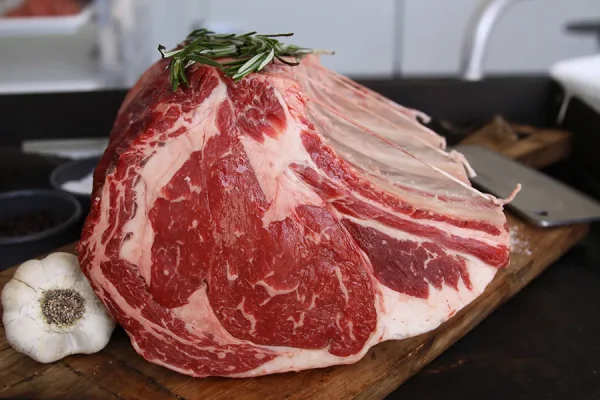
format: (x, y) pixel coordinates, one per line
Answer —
(249, 53)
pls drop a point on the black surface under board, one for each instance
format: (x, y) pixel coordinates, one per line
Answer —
(541, 344)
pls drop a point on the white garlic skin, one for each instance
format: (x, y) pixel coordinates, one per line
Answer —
(26, 328)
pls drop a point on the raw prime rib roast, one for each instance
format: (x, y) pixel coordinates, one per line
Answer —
(287, 221)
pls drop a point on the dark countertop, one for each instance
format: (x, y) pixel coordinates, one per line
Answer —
(542, 344)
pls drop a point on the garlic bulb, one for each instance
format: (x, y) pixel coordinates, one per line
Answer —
(50, 310)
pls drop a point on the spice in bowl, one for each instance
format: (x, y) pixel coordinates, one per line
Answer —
(28, 223)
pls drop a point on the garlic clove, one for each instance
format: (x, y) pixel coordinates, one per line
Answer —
(17, 294)
(93, 334)
(31, 273)
(53, 347)
(61, 269)
(23, 334)
(83, 342)
(33, 312)
(85, 289)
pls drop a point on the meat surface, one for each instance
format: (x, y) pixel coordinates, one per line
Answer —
(291, 220)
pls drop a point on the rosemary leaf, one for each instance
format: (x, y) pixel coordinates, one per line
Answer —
(251, 63)
(247, 53)
(290, 63)
(267, 59)
(203, 60)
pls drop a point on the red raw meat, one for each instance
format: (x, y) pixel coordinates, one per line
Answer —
(44, 8)
(291, 220)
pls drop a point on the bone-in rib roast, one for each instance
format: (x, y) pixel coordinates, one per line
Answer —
(288, 220)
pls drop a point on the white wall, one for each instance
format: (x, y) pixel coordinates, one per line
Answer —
(529, 37)
(362, 32)
(370, 37)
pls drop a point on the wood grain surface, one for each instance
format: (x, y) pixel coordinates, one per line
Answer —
(534, 147)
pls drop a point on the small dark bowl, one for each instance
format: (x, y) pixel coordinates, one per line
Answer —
(17, 249)
(72, 171)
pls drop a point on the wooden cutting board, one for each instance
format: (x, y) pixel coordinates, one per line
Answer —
(532, 146)
(117, 372)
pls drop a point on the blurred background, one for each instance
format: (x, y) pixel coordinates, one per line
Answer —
(98, 44)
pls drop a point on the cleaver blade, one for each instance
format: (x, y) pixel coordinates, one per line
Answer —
(542, 200)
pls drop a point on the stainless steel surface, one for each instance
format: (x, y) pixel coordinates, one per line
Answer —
(477, 36)
(543, 201)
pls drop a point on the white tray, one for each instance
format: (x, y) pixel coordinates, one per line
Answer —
(580, 77)
(35, 26)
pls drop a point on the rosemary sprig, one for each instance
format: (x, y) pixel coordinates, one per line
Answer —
(248, 53)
